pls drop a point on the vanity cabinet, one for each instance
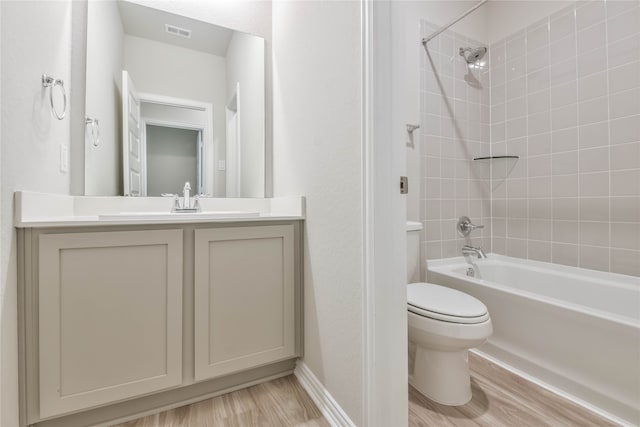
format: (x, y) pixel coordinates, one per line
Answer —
(120, 320)
(244, 298)
(110, 317)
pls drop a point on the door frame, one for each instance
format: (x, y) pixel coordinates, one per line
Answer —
(207, 131)
(384, 326)
(201, 173)
(233, 183)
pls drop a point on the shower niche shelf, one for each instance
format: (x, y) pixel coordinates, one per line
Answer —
(497, 158)
(489, 167)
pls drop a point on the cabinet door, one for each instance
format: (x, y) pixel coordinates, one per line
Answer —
(110, 317)
(244, 298)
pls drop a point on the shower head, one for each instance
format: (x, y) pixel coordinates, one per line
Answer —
(473, 55)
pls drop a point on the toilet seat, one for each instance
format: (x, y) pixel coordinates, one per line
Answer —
(445, 304)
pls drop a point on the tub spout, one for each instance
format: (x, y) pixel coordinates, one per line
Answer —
(472, 250)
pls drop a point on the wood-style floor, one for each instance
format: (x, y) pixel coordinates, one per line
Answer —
(501, 399)
(278, 403)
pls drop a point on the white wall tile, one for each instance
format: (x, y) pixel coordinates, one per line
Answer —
(539, 144)
(516, 68)
(516, 108)
(592, 86)
(564, 117)
(538, 80)
(562, 26)
(565, 140)
(625, 130)
(624, 51)
(516, 88)
(623, 25)
(625, 235)
(594, 258)
(594, 135)
(537, 37)
(594, 233)
(594, 184)
(562, 49)
(591, 38)
(562, 72)
(594, 160)
(624, 77)
(625, 183)
(566, 231)
(624, 103)
(616, 7)
(565, 254)
(539, 251)
(625, 156)
(625, 209)
(594, 208)
(539, 188)
(516, 128)
(540, 208)
(590, 13)
(515, 47)
(591, 62)
(625, 261)
(566, 185)
(539, 102)
(565, 94)
(539, 123)
(593, 111)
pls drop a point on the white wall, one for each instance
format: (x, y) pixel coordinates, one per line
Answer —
(105, 46)
(171, 160)
(169, 70)
(245, 58)
(36, 39)
(317, 153)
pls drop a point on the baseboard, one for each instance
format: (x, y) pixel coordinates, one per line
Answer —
(331, 410)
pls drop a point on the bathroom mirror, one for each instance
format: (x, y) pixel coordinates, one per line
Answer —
(171, 99)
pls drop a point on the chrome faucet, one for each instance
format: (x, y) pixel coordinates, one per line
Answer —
(188, 204)
(472, 250)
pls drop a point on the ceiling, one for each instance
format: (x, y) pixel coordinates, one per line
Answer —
(149, 23)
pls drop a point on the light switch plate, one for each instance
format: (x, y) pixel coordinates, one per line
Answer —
(222, 165)
(64, 158)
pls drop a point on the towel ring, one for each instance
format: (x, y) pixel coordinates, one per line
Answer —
(51, 83)
(95, 129)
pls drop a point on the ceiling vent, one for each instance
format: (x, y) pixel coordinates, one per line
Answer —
(177, 31)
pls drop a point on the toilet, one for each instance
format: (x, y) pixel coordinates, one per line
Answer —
(443, 325)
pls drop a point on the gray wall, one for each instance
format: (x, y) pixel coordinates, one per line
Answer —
(171, 160)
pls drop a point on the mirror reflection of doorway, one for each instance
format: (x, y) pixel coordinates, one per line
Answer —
(173, 157)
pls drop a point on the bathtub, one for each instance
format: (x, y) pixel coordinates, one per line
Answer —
(576, 331)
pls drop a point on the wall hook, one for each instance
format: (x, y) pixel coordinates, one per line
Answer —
(411, 128)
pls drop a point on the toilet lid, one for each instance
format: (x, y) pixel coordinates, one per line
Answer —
(441, 303)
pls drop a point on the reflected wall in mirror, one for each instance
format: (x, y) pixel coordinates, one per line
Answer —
(199, 85)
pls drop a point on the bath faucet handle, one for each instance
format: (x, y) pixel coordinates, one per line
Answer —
(465, 226)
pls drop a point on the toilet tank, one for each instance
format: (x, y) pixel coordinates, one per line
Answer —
(413, 251)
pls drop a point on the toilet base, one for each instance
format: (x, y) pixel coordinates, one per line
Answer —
(442, 376)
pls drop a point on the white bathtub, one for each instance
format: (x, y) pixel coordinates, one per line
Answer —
(576, 330)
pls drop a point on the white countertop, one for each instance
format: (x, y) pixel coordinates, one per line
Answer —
(38, 210)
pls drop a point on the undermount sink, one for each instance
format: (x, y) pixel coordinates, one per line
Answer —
(177, 215)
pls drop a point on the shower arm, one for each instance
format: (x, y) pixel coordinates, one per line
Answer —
(426, 40)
